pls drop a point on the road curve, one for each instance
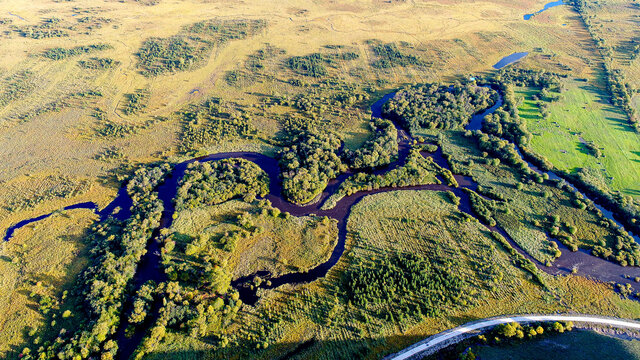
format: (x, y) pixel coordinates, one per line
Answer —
(438, 341)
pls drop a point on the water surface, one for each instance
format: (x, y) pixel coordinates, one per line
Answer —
(546, 7)
(509, 59)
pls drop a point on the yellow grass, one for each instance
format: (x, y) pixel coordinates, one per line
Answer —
(43, 258)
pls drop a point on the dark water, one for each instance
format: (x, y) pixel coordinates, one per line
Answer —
(119, 208)
(477, 119)
(85, 205)
(510, 59)
(546, 7)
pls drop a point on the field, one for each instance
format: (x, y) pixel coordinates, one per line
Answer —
(568, 346)
(315, 321)
(524, 209)
(283, 245)
(40, 263)
(91, 93)
(584, 114)
(615, 22)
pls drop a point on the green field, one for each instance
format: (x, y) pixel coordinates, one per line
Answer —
(584, 112)
(573, 345)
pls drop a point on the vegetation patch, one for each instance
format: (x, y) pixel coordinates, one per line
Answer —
(214, 182)
(96, 63)
(315, 64)
(192, 45)
(60, 53)
(48, 28)
(136, 102)
(385, 286)
(16, 87)
(417, 170)
(212, 122)
(438, 106)
(389, 56)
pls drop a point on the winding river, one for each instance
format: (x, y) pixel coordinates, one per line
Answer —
(150, 268)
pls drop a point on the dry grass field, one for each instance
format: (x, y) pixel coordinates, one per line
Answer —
(41, 260)
(450, 39)
(68, 135)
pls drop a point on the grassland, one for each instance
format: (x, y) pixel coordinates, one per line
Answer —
(52, 139)
(567, 346)
(39, 264)
(584, 114)
(66, 139)
(316, 321)
(283, 245)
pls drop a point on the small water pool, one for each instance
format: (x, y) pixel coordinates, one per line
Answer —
(546, 7)
(510, 59)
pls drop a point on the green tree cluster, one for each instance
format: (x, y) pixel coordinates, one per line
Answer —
(380, 150)
(402, 284)
(211, 183)
(438, 106)
(60, 53)
(309, 163)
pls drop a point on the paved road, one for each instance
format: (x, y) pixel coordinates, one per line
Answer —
(435, 341)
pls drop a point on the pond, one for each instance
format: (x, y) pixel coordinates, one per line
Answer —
(509, 59)
(547, 6)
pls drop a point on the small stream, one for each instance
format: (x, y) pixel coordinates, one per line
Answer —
(18, 16)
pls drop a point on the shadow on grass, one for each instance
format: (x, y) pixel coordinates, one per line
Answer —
(552, 347)
(582, 148)
(529, 116)
(310, 348)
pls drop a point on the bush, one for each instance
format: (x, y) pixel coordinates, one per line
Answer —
(390, 56)
(381, 149)
(192, 45)
(63, 53)
(309, 164)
